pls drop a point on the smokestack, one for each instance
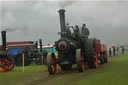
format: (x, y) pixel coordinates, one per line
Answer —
(36, 44)
(40, 40)
(62, 21)
(3, 34)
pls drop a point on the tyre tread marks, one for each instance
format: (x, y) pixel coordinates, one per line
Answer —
(90, 54)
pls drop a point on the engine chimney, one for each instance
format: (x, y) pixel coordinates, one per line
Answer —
(40, 40)
(62, 21)
(3, 34)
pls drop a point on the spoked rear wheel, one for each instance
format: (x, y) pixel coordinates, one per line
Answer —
(11, 64)
(4, 64)
(92, 58)
(80, 60)
(51, 63)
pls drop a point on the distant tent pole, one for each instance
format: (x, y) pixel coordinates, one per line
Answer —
(40, 40)
(42, 59)
(23, 62)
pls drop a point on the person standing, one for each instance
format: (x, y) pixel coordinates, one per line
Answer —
(117, 51)
(114, 53)
(110, 52)
(85, 31)
(123, 50)
(84, 34)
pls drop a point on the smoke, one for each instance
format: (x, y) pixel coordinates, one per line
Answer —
(66, 3)
(10, 29)
(23, 29)
(106, 20)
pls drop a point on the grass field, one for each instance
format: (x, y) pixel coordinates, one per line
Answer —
(115, 72)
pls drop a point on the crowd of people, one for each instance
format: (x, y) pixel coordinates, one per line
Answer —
(116, 51)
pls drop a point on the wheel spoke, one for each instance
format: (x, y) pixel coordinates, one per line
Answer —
(1, 70)
(0, 61)
(11, 64)
(4, 65)
(4, 62)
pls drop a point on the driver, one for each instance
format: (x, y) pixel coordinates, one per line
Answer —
(85, 34)
(68, 32)
(85, 31)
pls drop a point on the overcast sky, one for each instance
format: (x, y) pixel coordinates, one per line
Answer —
(27, 20)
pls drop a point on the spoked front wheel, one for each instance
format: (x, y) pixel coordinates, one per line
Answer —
(51, 63)
(80, 60)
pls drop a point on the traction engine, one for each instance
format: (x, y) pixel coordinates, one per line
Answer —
(74, 48)
(6, 62)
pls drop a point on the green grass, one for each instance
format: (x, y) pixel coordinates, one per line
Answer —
(16, 74)
(115, 72)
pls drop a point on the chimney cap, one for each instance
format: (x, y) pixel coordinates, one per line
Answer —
(61, 10)
(3, 31)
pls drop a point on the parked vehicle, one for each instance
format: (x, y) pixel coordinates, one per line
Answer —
(6, 61)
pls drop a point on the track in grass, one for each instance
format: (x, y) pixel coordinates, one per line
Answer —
(112, 73)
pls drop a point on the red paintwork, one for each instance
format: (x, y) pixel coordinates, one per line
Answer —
(8, 65)
(98, 48)
(4, 65)
(18, 44)
(65, 45)
(54, 67)
(0, 47)
(113, 46)
(82, 61)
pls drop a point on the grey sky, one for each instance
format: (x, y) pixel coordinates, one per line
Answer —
(34, 19)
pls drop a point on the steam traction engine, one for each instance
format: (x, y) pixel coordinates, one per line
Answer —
(6, 62)
(74, 48)
(31, 54)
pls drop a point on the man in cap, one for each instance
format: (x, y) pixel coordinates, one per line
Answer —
(85, 31)
(85, 34)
